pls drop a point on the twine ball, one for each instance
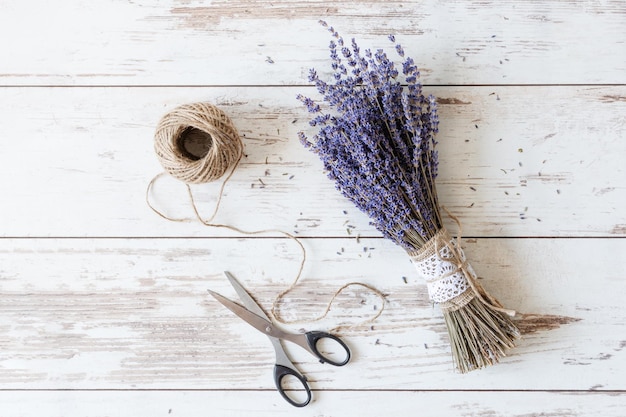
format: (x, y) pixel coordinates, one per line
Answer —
(222, 145)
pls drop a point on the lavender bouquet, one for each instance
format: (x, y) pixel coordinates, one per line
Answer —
(376, 139)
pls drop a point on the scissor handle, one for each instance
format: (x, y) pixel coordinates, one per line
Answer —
(281, 372)
(314, 337)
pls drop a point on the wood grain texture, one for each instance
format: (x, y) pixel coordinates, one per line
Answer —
(326, 403)
(515, 161)
(103, 305)
(243, 42)
(124, 314)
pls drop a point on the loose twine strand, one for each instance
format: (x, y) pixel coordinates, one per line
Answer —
(223, 156)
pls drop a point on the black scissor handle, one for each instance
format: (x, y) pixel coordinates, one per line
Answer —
(281, 372)
(314, 337)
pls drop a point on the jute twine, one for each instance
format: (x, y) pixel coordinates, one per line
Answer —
(223, 151)
(225, 146)
(433, 247)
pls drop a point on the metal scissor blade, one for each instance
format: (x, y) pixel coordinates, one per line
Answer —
(245, 297)
(259, 323)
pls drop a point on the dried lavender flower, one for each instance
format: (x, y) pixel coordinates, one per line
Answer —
(376, 139)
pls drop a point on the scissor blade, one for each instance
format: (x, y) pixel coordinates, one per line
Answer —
(245, 297)
(259, 323)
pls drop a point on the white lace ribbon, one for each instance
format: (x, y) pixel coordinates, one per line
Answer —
(441, 271)
(451, 280)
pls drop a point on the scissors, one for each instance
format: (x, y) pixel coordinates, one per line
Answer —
(331, 349)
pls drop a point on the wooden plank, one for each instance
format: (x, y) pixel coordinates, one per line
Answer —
(134, 314)
(239, 42)
(327, 403)
(76, 162)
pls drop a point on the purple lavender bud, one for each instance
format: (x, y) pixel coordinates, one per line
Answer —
(377, 142)
(399, 50)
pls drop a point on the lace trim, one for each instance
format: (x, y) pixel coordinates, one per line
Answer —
(439, 266)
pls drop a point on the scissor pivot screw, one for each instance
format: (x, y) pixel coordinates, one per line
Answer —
(268, 329)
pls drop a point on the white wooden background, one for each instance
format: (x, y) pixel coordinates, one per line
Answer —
(103, 304)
